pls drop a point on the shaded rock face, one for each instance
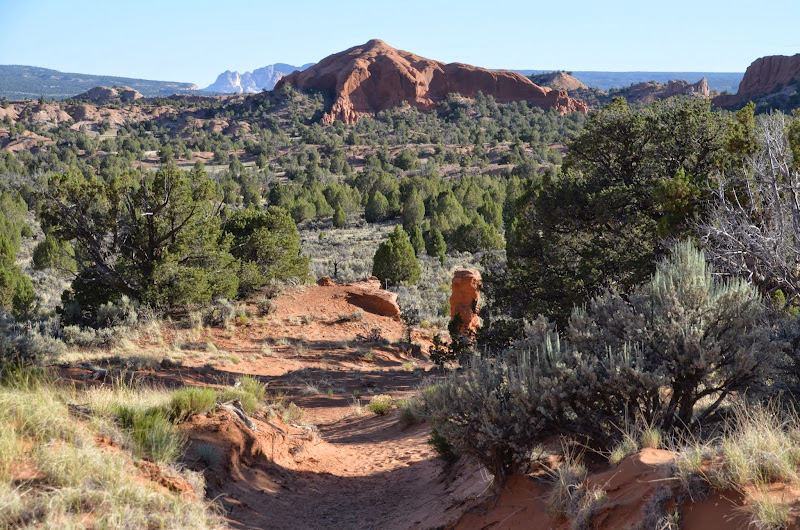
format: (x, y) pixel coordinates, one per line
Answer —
(650, 91)
(373, 77)
(104, 94)
(368, 295)
(762, 77)
(466, 293)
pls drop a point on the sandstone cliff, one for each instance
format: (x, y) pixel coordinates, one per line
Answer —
(763, 76)
(373, 77)
(650, 91)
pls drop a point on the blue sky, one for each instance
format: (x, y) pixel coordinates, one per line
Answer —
(195, 41)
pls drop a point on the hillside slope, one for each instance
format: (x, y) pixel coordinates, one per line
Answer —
(30, 82)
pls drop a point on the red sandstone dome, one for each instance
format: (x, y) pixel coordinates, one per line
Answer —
(373, 77)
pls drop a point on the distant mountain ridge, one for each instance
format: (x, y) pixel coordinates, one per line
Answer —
(719, 81)
(264, 78)
(31, 82)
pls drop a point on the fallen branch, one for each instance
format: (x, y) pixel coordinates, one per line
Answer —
(235, 406)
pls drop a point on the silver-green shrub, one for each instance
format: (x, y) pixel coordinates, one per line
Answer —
(683, 337)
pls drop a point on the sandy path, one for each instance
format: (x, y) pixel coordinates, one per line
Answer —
(365, 472)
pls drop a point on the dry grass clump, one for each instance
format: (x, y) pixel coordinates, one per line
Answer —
(635, 437)
(67, 480)
(354, 316)
(571, 496)
(758, 447)
(765, 512)
(380, 404)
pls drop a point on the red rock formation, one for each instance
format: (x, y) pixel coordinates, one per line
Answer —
(104, 94)
(559, 81)
(326, 281)
(373, 77)
(762, 77)
(650, 91)
(464, 298)
(368, 295)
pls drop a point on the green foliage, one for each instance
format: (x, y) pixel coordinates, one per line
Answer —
(339, 217)
(600, 222)
(477, 236)
(417, 241)
(377, 208)
(53, 253)
(23, 302)
(683, 337)
(395, 261)
(435, 245)
(442, 447)
(188, 401)
(156, 238)
(380, 404)
(268, 245)
(154, 437)
(413, 211)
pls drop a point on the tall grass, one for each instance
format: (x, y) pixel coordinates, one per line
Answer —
(76, 482)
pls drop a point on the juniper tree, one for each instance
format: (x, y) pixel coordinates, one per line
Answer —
(339, 217)
(394, 261)
(154, 237)
(601, 221)
(377, 208)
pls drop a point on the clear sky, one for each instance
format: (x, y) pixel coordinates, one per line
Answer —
(194, 41)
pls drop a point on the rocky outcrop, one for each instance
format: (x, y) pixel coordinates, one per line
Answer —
(466, 292)
(762, 77)
(326, 281)
(650, 91)
(48, 114)
(104, 94)
(368, 295)
(373, 77)
(559, 81)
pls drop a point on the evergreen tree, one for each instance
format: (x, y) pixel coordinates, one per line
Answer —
(377, 208)
(417, 240)
(268, 245)
(413, 211)
(395, 261)
(155, 238)
(52, 253)
(435, 245)
(339, 217)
